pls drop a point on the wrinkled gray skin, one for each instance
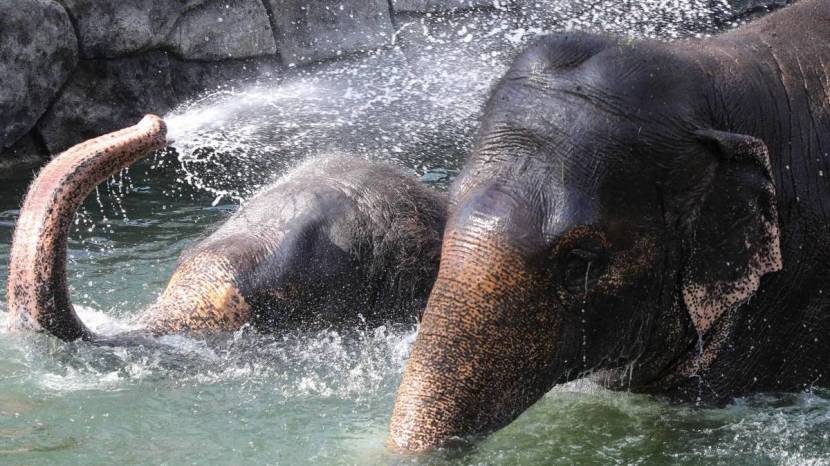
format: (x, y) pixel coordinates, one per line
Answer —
(335, 241)
(657, 214)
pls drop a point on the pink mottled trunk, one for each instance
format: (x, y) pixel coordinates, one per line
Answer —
(38, 295)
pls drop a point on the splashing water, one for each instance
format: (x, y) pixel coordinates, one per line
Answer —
(231, 141)
(415, 103)
(325, 397)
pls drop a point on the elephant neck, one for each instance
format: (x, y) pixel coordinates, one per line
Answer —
(684, 376)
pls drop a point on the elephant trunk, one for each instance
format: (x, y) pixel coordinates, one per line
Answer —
(477, 362)
(38, 294)
(202, 295)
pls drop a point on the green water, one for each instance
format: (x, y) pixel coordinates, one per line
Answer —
(319, 398)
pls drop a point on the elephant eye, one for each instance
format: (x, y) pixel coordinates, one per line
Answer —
(580, 270)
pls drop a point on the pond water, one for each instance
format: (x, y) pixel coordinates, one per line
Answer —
(319, 397)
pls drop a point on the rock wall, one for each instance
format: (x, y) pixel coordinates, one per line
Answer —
(73, 69)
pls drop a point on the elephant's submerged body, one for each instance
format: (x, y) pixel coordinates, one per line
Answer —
(656, 214)
(337, 241)
(334, 242)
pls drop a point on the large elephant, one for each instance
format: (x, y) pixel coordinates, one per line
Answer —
(333, 240)
(654, 213)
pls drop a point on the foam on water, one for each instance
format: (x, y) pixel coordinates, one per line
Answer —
(347, 364)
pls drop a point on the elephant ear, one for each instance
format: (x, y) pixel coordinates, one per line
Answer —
(733, 238)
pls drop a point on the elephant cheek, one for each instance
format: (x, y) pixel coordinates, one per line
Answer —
(482, 350)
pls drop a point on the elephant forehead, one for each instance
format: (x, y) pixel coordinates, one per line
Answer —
(552, 158)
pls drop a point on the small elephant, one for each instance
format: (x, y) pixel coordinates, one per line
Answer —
(333, 241)
(655, 214)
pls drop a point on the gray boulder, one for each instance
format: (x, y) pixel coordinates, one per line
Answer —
(194, 29)
(108, 28)
(105, 95)
(222, 29)
(325, 29)
(38, 51)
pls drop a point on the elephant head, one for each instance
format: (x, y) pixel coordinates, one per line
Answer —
(601, 222)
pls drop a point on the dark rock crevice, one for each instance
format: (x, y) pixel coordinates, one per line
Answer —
(72, 20)
(271, 19)
(392, 14)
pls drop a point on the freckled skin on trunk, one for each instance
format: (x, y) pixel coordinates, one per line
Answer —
(38, 291)
(479, 280)
(202, 295)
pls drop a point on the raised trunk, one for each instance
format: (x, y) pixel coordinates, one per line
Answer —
(38, 295)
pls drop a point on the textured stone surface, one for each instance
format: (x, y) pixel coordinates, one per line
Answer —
(38, 51)
(220, 29)
(228, 43)
(105, 95)
(442, 5)
(108, 28)
(309, 31)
